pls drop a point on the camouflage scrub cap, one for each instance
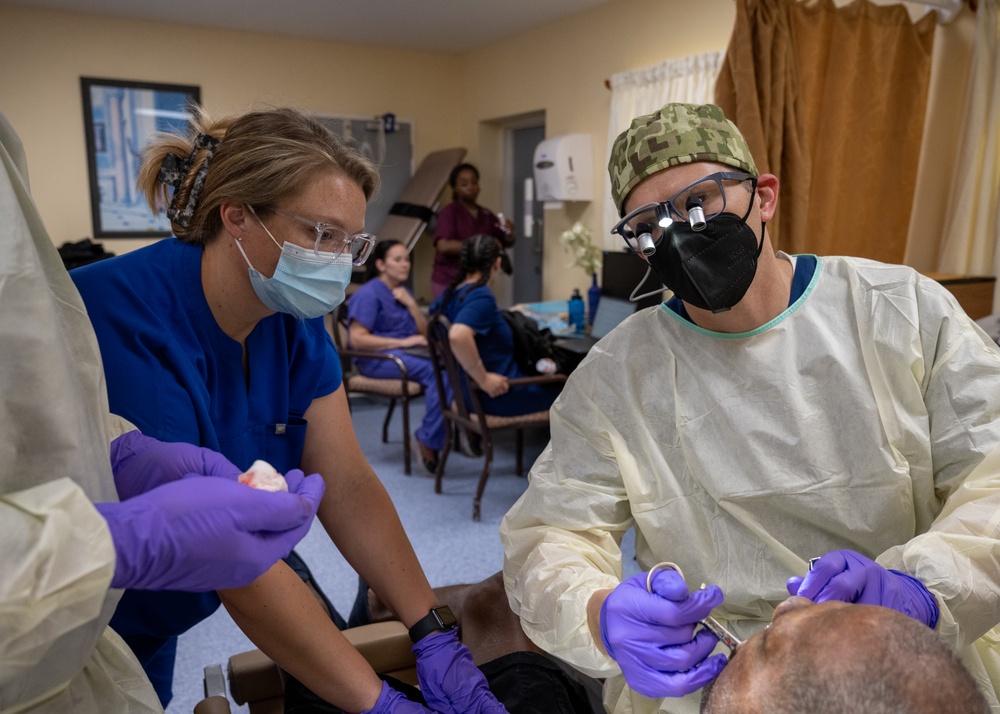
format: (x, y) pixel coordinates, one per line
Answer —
(675, 134)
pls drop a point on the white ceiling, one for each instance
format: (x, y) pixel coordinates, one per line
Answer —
(437, 25)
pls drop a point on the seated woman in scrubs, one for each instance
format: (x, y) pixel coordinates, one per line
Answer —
(384, 316)
(216, 338)
(480, 336)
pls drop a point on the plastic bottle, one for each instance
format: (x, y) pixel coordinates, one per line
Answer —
(593, 298)
(502, 223)
(577, 311)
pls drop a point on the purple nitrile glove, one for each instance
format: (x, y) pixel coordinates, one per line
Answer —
(652, 635)
(392, 702)
(449, 680)
(848, 576)
(201, 534)
(141, 463)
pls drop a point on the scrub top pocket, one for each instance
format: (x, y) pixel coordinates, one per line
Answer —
(280, 444)
(283, 443)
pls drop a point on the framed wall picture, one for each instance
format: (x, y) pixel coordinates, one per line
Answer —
(119, 117)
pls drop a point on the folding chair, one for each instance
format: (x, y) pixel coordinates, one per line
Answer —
(466, 410)
(402, 389)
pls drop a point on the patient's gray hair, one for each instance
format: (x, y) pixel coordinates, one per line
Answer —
(902, 669)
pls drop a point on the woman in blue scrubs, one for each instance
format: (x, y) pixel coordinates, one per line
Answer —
(481, 338)
(216, 337)
(384, 317)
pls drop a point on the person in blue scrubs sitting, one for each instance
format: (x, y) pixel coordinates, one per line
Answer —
(216, 337)
(383, 316)
(481, 338)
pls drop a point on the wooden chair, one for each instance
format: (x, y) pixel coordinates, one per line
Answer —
(257, 681)
(466, 411)
(402, 389)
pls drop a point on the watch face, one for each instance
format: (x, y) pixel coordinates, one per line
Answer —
(444, 616)
(439, 618)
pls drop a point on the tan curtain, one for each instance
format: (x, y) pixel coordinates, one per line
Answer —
(941, 147)
(972, 226)
(832, 102)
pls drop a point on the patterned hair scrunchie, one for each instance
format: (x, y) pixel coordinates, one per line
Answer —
(173, 169)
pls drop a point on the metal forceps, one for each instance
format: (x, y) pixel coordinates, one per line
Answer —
(710, 623)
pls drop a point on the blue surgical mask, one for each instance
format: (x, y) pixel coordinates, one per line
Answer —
(305, 284)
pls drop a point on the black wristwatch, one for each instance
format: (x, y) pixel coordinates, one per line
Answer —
(439, 618)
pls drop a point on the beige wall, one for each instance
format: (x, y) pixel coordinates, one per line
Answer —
(452, 100)
(560, 69)
(236, 71)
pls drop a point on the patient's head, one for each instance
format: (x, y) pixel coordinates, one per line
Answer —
(838, 658)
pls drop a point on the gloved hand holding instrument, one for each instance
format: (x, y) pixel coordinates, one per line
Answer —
(848, 576)
(649, 626)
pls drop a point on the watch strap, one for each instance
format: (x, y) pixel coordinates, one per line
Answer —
(439, 618)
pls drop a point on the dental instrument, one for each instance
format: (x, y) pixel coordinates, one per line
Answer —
(710, 623)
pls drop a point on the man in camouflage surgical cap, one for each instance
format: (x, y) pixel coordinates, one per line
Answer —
(826, 427)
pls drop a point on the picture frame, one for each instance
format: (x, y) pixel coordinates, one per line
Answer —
(119, 118)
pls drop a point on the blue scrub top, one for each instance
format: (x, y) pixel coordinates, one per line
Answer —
(177, 376)
(374, 306)
(475, 306)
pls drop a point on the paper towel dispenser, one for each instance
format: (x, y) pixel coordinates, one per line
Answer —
(563, 167)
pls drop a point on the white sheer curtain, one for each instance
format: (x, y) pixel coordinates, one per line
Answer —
(641, 91)
(971, 242)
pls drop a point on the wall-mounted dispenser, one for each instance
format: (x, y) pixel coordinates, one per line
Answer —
(563, 168)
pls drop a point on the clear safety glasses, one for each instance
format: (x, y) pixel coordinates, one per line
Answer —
(695, 204)
(331, 239)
